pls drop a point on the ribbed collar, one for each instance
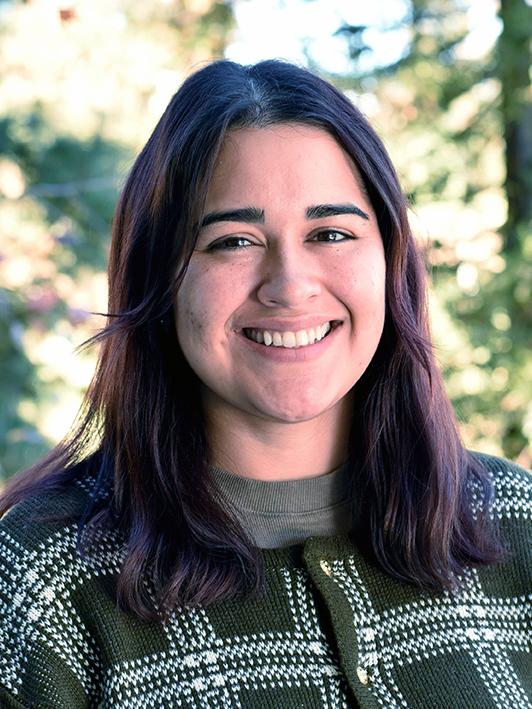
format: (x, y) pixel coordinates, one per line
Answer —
(280, 513)
(284, 496)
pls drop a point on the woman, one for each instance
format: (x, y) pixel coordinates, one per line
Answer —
(266, 503)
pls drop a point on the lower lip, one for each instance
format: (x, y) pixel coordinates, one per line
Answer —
(293, 354)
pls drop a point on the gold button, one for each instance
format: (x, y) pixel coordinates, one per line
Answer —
(362, 675)
(325, 567)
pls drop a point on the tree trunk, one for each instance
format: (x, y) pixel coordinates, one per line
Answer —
(514, 58)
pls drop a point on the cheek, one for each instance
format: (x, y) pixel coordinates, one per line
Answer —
(195, 319)
(217, 289)
(375, 306)
(376, 288)
(205, 302)
(365, 288)
(191, 311)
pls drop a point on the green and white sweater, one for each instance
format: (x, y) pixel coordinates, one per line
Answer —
(332, 630)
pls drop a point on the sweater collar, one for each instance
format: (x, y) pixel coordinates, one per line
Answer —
(284, 496)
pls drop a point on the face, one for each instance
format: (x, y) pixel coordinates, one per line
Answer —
(282, 306)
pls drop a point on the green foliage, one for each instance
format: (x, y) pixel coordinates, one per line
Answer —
(20, 442)
(64, 175)
(75, 111)
(489, 376)
(445, 110)
(77, 108)
(66, 212)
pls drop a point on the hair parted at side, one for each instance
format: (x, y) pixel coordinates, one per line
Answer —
(141, 438)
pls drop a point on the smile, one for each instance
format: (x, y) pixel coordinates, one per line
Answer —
(288, 339)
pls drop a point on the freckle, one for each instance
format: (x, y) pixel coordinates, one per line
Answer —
(195, 322)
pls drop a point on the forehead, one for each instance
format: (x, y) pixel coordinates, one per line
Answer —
(298, 160)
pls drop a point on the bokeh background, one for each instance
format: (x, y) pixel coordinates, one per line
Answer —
(445, 82)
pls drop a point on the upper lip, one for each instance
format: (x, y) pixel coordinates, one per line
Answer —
(288, 325)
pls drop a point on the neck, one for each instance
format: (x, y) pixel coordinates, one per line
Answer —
(271, 450)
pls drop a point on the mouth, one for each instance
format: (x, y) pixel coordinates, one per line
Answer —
(291, 339)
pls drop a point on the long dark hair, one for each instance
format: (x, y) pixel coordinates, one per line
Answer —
(141, 440)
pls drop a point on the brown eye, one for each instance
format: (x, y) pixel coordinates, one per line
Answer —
(332, 236)
(231, 242)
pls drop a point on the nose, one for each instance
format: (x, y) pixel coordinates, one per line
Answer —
(289, 280)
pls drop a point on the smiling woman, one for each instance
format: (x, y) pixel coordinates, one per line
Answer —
(267, 503)
(297, 279)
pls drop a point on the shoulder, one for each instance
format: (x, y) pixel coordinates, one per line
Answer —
(511, 486)
(35, 514)
(39, 540)
(511, 513)
(39, 534)
(43, 632)
(501, 466)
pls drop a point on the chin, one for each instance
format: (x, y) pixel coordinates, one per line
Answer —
(294, 413)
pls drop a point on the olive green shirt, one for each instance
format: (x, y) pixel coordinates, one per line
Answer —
(281, 513)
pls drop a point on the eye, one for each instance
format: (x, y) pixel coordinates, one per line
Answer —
(332, 236)
(230, 243)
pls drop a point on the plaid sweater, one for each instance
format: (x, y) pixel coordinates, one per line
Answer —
(332, 630)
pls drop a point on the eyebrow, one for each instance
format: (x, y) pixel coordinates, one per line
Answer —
(253, 215)
(318, 211)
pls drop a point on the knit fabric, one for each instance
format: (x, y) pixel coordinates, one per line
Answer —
(279, 513)
(332, 630)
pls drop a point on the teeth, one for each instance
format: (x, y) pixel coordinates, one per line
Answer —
(289, 339)
(301, 338)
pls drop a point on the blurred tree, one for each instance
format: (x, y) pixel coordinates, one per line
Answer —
(455, 111)
(75, 109)
(514, 62)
